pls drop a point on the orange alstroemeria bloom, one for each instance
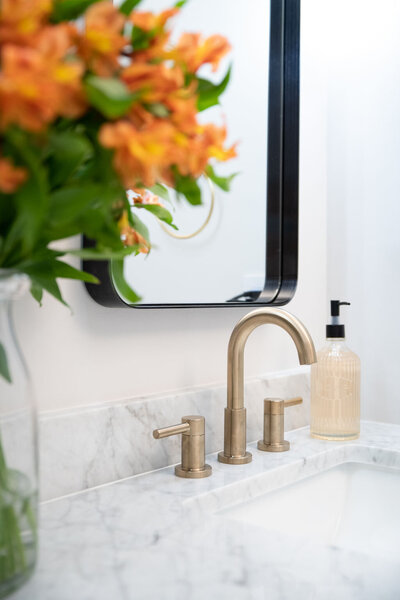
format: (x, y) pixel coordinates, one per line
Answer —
(130, 236)
(197, 150)
(21, 19)
(102, 41)
(214, 138)
(11, 177)
(161, 84)
(37, 84)
(183, 111)
(143, 196)
(154, 82)
(55, 43)
(149, 21)
(194, 51)
(140, 155)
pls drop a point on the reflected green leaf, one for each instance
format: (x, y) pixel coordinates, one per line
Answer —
(120, 283)
(4, 369)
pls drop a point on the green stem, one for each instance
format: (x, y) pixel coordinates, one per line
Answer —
(13, 507)
(3, 470)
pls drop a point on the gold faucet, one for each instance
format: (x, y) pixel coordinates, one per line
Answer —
(192, 428)
(235, 413)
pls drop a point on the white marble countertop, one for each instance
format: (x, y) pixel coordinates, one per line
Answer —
(157, 536)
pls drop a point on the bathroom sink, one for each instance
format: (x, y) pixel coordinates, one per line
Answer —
(352, 506)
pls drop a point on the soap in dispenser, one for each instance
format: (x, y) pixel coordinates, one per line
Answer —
(335, 386)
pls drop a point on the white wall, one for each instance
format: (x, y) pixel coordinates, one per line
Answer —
(101, 354)
(363, 182)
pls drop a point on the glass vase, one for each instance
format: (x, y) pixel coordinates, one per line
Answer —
(18, 448)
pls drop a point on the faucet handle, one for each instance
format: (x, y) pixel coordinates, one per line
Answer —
(192, 428)
(274, 428)
(293, 401)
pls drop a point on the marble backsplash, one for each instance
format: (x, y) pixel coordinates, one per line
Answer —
(88, 447)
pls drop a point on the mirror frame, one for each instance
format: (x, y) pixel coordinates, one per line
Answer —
(282, 174)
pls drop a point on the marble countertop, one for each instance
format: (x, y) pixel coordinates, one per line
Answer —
(157, 536)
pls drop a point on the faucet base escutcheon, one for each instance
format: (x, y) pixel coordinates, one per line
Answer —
(206, 471)
(269, 447)
(235, 460)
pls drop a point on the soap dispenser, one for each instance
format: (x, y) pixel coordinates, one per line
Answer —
(335, 385)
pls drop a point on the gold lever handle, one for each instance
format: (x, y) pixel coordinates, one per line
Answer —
(158, 434)
(274, 409)
(293, 401)
(193, 463)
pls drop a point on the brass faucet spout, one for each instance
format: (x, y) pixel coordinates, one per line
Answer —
(235, 412)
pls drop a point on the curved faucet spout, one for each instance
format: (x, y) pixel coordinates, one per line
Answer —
(235, 413)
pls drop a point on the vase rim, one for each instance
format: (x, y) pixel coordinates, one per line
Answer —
(13, 284)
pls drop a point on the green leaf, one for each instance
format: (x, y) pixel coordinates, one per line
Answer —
(31, 201)
(67, 151)
(121, 285)
(37, 292)
(209, 93)
(141, 39)
(138, 225)
(158, 110)
(109, 95)
(69, 202)
(50, 285)
(44, 273)
(66, 271)
(4, 370)
(181, 3)
(222, 182)
(127, 7)
(160, 212)
(187, 186)
(104, 254)
(67, 10)
(161, 191)
(50, 270)
(87, 208)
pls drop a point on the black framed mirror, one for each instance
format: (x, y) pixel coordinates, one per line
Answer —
(248, 251)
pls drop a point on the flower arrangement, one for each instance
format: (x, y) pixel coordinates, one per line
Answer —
(89, 110)
(95, 100)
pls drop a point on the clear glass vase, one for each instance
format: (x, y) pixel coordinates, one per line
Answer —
(18, 448)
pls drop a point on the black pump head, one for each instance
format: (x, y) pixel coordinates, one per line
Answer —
(335, 307)
(336, 329)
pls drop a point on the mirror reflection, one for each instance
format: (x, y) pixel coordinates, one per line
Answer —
(219, 249)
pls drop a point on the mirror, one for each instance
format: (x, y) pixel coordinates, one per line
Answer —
(234, 248)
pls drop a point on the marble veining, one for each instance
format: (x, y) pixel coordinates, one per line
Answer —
(157, 536)
(88, 447)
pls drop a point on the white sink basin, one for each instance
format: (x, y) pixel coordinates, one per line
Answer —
(352, 506)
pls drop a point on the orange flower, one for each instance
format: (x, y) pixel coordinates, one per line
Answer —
(102, 41)
(193, 51)
(140, 155)
(214, 138)
(183, 111)
(145, 197)
(154, 82)
(159, 84)
(197, 150)
(149, 21)
(11, 177)
(157, 41)
(37, 85)
(21, 19)
(56, 44)
(130, 236)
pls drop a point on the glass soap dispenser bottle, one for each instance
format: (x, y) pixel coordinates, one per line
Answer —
(335, 386)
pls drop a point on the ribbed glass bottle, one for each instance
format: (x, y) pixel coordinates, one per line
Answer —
(335, 393)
